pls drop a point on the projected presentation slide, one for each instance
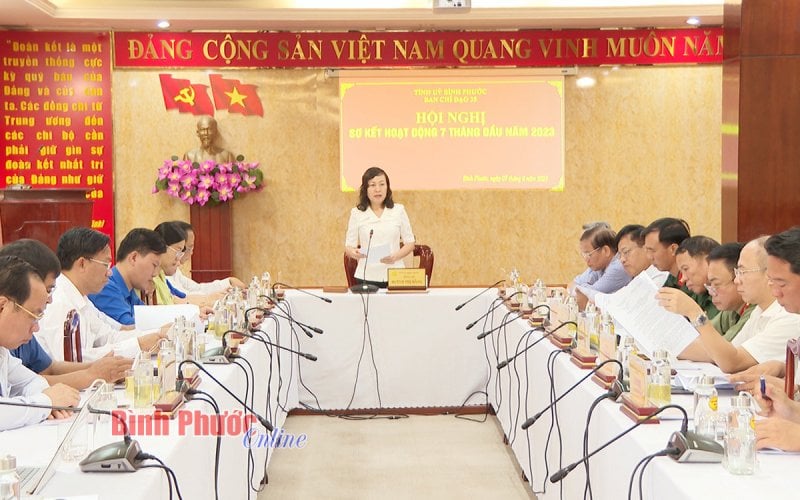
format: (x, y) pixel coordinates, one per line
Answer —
(453, 129)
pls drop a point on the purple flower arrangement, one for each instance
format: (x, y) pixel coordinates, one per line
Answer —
(208, 182)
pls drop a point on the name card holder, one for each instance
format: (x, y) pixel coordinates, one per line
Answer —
(564, 337)
(605, 376)
(582, 356)
(407, 279)
(635, 403)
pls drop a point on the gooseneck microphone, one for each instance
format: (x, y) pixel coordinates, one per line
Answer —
(536, 417)
(236, 398)
(508, 361)
(562, 473)
(500, 302)
(320, 297)
(505, 363)
(501, 325)
(458, 307)
(287, 316)
(264, 341)
(365, 287)
(112, 457)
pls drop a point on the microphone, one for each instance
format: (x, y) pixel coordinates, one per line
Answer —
(365, 287)
(683, 446)
(536, 417)
(113, 457)
(458, 307)
(499, 301)
(501, 325)
(261, 339)
(506, 362)
(287, 317)
(320, 297)
(261, 419)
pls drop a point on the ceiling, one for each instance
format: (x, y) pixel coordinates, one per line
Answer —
(273, 15)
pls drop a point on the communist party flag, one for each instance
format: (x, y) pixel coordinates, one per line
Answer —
(235, 96)
(185, 96)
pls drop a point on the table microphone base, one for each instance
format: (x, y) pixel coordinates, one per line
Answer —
(364, 288)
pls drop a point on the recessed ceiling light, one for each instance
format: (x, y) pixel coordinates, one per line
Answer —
(693, 21)
(163, 24)
(585, 82)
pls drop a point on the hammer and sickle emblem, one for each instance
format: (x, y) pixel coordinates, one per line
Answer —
(186, 95)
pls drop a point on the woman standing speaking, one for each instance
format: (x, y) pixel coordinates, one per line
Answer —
(377, 224)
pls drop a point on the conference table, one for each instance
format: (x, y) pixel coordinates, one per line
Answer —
(425, 357)
(182, 445)
(412, 352)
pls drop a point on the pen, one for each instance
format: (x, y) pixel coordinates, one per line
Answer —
(763, 382)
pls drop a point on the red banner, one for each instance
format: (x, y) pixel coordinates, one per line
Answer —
(57, 115)
(524, 48)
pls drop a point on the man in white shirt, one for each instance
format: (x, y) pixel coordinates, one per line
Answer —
(762, 338)
(85, 258)
(782, 429)
(31, 353)
(23, 297)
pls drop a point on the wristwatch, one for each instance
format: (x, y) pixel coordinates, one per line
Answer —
(701, 320)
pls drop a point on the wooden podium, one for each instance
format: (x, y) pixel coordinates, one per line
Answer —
(42, 214)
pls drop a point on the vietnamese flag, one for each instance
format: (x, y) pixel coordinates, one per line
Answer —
(185, 96)
(235, 96)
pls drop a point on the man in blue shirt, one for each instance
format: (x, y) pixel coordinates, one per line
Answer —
(31, 353)
(604, 273)
(138, 260)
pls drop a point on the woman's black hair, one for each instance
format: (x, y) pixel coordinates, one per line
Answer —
(363, 201)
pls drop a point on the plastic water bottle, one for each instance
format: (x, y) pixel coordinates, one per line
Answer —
(706, 403)
(9, 479)
(740, 437)
(659, 389)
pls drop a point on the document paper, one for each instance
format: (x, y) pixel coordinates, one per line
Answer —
(635, 308)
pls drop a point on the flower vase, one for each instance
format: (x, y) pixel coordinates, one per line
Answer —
(212, 258)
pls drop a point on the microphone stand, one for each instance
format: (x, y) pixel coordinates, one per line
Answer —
(266, 342)
(365, 287)
(501, 325)
(492, 308)
(562, 473)
(267, 425)
(505, 363)
(326, 299)
(536, 417)
(458, 307)
(126, 455)
(287, 317)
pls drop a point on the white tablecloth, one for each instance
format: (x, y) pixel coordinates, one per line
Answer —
(423, 357)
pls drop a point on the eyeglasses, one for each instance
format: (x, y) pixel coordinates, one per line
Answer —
(36, 317)
(625, 253)
(739, 272)
(101, 262)
(586, 255)
(178, 253)
(713, 290)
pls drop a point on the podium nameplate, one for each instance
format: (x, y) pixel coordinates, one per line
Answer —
(407, 278)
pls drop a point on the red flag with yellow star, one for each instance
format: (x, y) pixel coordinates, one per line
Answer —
(235, 96)
(185, 96)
